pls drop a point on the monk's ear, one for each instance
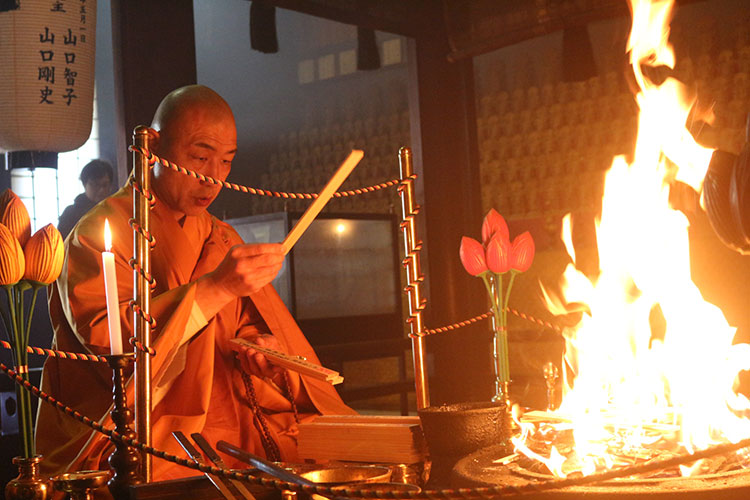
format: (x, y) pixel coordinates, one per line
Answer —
(153, 139)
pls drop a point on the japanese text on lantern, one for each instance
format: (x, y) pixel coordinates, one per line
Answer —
(66, 41)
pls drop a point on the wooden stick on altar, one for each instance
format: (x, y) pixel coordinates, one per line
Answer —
(325, 194)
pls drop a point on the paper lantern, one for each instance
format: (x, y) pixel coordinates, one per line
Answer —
(47, 50)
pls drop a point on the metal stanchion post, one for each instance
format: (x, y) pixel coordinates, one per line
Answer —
(414, 277)
(142, 297)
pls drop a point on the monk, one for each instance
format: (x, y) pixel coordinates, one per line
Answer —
(210, 288)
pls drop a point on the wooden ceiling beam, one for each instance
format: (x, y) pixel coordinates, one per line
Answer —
(392, 16)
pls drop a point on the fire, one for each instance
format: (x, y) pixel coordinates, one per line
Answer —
(632, 391)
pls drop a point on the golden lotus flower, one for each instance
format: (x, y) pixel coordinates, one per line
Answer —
(15, 217)
(12, 260)
(44, 255)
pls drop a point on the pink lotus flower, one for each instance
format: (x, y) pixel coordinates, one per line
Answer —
(472, 256)
(490, 260)
(499, 254)
(493, 224)
(522, 252)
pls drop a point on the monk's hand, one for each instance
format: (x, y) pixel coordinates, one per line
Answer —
(247, 268)
(256, 363)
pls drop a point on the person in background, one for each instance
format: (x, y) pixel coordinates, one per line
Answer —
(96, 177)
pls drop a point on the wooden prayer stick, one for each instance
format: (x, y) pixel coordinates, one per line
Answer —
(325, 194)
(295, 363)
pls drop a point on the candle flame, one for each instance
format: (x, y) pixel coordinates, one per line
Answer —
(107, 236)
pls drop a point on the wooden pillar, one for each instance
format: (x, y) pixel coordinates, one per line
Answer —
(444, 142)
(154, 52)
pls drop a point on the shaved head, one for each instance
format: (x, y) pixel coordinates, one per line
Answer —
(194, 128)
(189, 98)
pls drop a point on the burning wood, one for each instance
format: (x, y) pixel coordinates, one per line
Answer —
(551, 434)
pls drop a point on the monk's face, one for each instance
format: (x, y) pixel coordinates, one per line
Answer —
(201, 139)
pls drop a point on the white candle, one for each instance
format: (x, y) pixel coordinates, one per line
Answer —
(110, 289)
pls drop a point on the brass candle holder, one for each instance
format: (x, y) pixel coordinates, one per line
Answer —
(125, 460)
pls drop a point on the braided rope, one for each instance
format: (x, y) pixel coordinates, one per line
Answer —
(538, 321)
(147, 276)
(143, 314)
(484, 492)
(427, 332)
(483, 316)
(152, 158)
(77, 356)
(408, 220)
(139, 345)
(456, 326)
(146, 234)
(143, 192)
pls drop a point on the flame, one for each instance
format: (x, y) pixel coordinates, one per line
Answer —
(627, 382)
(107, 236)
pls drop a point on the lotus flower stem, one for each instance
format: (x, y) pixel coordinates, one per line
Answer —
(31, 312)
(5, 319)
(513, 274)
(494, 284)
(501, 332)
(20, 341)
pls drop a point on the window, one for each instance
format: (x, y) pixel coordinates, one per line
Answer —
(47, 191)
(37, 188)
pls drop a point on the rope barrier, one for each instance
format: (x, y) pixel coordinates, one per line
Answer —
(409, 219)
(77, 356)
(540, 322)
(457, 325)
(153, 158)
(487, 315)
(483, 492)
(430, 331)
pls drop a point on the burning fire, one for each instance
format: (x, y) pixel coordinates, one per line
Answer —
(632, 393)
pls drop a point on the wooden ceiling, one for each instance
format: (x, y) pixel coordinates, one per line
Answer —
(472, 27)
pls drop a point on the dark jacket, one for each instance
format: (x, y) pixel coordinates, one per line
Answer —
(72, 213)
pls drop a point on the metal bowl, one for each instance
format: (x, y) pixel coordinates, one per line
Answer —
(346, 474)
(80, 483)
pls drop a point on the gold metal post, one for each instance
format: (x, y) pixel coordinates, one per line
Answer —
(414, 277)
(142, 298)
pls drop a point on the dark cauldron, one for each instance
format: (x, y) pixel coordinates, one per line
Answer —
(453, 431)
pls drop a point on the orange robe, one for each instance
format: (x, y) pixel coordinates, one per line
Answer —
(206, 393)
